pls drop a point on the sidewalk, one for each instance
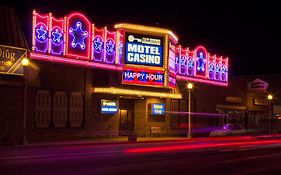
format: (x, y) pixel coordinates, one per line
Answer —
(115, 140)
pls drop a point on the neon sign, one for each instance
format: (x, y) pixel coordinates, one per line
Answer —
(201, 61)
(158, 109)
(40, 32)
(108, 107)
(78, 36)
(199, 66)
(143, 77)
(110, 47)
(143, 50)
(134, 49)
(56, 36)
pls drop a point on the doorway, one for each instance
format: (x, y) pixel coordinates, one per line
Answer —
(126, 113)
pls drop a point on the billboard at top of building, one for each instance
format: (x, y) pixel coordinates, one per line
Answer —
(141, 49)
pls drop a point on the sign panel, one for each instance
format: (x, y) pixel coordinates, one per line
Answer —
(108, 107)
(10, 60)
(257, 85)
(157, 109)
(143, 77)
(143, 50)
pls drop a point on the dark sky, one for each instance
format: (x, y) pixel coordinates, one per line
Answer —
(248, 33)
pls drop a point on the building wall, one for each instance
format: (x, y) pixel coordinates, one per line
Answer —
(11, 107)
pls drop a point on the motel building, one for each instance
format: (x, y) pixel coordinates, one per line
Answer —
(82, 81)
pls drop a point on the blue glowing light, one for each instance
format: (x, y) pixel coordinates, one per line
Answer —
(183, 61)
(57, 37)
(217, 69)
(201, 62)
(110, 46)
(211, 67)
(190, 63)
(78, 36)
(223, 73)
(41, 34)
(98, 44)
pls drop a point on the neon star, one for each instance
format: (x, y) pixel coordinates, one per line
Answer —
(41, 33)
(57, 36)
(211, 67)
(98, 44)
(78, 36)
(190, 63)
(110, 47)
(201, 62)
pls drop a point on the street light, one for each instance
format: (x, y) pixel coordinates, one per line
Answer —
(189, 87)
(24, 63)
(270, 98)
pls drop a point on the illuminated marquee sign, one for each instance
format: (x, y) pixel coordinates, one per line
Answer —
(143, 77)
(147, 55)
(157, 109)
(143, 50)
(10, 60)
(108, 107)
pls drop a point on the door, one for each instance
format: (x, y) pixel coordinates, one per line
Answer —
(126, 112)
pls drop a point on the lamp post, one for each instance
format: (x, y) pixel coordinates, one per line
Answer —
(270, 98)
(189, 87)
(25, 63)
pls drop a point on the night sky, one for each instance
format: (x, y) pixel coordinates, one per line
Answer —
(248, 33)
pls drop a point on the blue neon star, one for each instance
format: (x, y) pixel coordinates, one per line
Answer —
(201, 62)
(98, 44)
(110, 47)
(190, 63)
(41, 33)
(217, 69)
(183, 61)
(223, 69)
(78, 36)
(57, 36)
(211, 67)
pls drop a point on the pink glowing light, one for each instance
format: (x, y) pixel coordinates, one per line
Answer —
(75, 21)
(51, 58)
(56, 36)
(193, 79)
(199, 146)
(201, 63)
(40, 30)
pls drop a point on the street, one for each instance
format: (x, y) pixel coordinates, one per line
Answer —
(235, 156)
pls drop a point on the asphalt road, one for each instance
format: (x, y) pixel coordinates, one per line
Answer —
(222, 156)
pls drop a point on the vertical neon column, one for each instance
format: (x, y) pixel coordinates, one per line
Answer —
(56, 35)
(40, 32)
(177, 59)
(218, 68)
(190, 64)
(183, 62)
(200, 54)
(120, 46)
(224, 70)
(78, 36)
(211, 66)
(110, 46)
(98, 44)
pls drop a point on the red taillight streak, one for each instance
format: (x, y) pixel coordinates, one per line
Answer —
(190, 147)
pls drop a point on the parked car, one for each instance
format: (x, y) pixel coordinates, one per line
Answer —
(228, 130)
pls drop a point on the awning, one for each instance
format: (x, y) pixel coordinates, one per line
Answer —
(132, 92)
